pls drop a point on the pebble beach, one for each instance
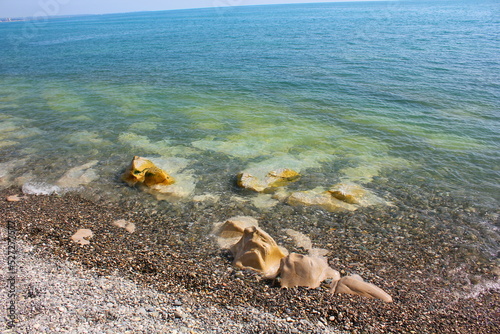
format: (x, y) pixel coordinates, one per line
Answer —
(170, 276)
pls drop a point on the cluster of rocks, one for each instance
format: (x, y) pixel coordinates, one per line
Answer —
(254, 249)
(339, 197)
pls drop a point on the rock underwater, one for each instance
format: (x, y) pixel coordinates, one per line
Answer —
(274, 179)
(322, 199)
(340, 197)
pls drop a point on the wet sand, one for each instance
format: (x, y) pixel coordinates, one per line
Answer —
(442, 280)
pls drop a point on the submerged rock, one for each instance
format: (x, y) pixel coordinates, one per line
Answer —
(248, 181)
(355, 194)
(81, 236)
(302, 270)
(263, 201)
(257, 250)
(6, 168)
(272, 180)
(207, 198)
(321, 199)
(340, 197)
(349, 193)
(355, 285)
(79, 175)
(183, 187)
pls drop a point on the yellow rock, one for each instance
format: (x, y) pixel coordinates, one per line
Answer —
(156, 176)
(355, 285)
(281, 177)
(309, 271)
(257, 250)
(142, 170)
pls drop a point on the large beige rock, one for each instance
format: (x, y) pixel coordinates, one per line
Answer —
(257, 250)
(142, 170)
(302, 270)
(355, 285)
(230, 232)
(322, 199)
(274, 179)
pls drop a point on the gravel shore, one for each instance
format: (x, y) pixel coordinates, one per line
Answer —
(170, 276)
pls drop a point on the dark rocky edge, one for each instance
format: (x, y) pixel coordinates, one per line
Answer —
(442, 278)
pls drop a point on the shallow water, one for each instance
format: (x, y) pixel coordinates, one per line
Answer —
(393, 96)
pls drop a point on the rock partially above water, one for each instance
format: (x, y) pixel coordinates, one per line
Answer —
(302, 270)
(144, 171)
(257, 250)
(156, 181)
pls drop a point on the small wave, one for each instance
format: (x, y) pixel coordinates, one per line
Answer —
(40, 188)
(486, 286)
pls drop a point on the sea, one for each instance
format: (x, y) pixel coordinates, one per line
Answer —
(401, 98)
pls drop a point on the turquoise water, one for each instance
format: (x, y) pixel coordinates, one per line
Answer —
(387, 92)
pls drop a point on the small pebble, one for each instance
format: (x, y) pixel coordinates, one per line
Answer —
(13, 198)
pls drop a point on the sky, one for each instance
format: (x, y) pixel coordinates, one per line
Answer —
(41, 8)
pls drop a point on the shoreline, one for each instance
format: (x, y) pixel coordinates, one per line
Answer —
(434, 288)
